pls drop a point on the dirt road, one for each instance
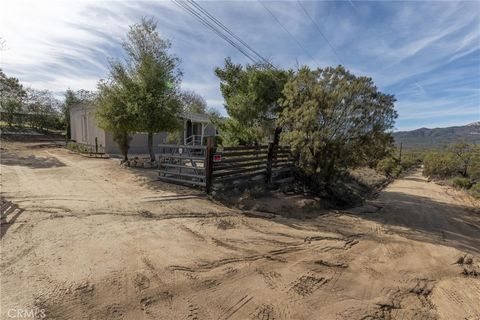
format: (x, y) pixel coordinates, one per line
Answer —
(91, 240)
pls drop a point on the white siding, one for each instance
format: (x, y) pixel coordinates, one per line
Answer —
(84, 127)
(138, 144)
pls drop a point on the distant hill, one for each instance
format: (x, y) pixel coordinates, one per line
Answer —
(425, 138)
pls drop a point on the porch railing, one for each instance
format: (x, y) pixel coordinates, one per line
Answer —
(194, 140)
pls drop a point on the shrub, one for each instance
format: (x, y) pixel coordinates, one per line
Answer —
(440, 165)
(334, 121)
(77, 147)
(475, 190)
(411, 159)
(389, 167)
(474, 169)
(462, 183)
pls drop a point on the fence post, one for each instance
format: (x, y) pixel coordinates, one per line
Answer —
(270, 154)
(209, 163)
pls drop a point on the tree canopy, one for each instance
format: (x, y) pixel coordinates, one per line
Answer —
(43, 109)
(334, 119)
(12, 94)
(114, 114)
(251, 95)
(145, 84)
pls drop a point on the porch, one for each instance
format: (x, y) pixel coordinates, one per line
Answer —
(196, 127)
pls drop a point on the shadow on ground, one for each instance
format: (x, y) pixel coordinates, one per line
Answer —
(149, 178)
(31, 161)
(9, 213)
(424, 219)
(414, 217)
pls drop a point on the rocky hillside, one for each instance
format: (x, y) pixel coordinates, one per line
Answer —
(439, 137)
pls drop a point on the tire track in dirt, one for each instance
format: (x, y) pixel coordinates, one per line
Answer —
(228, 313)
(271, 278)
(347, 244)
(263, 312)
(306, 284)
(410, 302)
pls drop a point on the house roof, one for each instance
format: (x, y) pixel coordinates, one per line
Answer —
(196, 117)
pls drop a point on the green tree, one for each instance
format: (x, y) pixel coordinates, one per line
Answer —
(235, 133)
(42, 108)
(389, 166)
(114, 114)
(464, 153)
(251, 96)
(440, 164)
(474, 168)
(334, 119)
(142, 94)
(11, 97)
(154, 79)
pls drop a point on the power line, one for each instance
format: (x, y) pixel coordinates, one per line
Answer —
(291, 35)
(320, 31)
(221, 25)
(208, 24)
(202, 15)
(208, 20)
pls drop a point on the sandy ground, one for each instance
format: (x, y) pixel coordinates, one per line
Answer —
(91, 240)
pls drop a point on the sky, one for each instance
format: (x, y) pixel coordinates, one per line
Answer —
(426, 53)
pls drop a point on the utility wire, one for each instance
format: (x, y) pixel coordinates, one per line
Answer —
(202, 15)
(291, 35)
(185, 6)
(320, 31)
(226, 29)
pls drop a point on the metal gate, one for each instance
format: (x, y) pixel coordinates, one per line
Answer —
(184, 164)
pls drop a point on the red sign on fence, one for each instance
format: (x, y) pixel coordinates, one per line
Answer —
(217, 157)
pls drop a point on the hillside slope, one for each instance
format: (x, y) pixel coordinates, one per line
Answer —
(438, 137)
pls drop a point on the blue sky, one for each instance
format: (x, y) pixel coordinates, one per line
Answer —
(426, 53)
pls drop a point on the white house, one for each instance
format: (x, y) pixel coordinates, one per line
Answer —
(84, 129)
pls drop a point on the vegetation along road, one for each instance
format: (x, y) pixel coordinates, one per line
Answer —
(93, 240)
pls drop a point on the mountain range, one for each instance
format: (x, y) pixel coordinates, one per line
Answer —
(425, 138)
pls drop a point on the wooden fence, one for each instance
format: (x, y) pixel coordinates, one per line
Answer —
(223, 168)
(235, 166)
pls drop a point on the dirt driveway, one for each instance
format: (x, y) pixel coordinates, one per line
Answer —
(91, 240)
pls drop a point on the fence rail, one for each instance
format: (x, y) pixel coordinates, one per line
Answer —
(183, 164)
(223, 168)
(239, 165)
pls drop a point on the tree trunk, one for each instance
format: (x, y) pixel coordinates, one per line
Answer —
(150, 146)
(465, 171)
(276, 136)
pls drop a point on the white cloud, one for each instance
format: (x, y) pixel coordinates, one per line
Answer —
(407, 47)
